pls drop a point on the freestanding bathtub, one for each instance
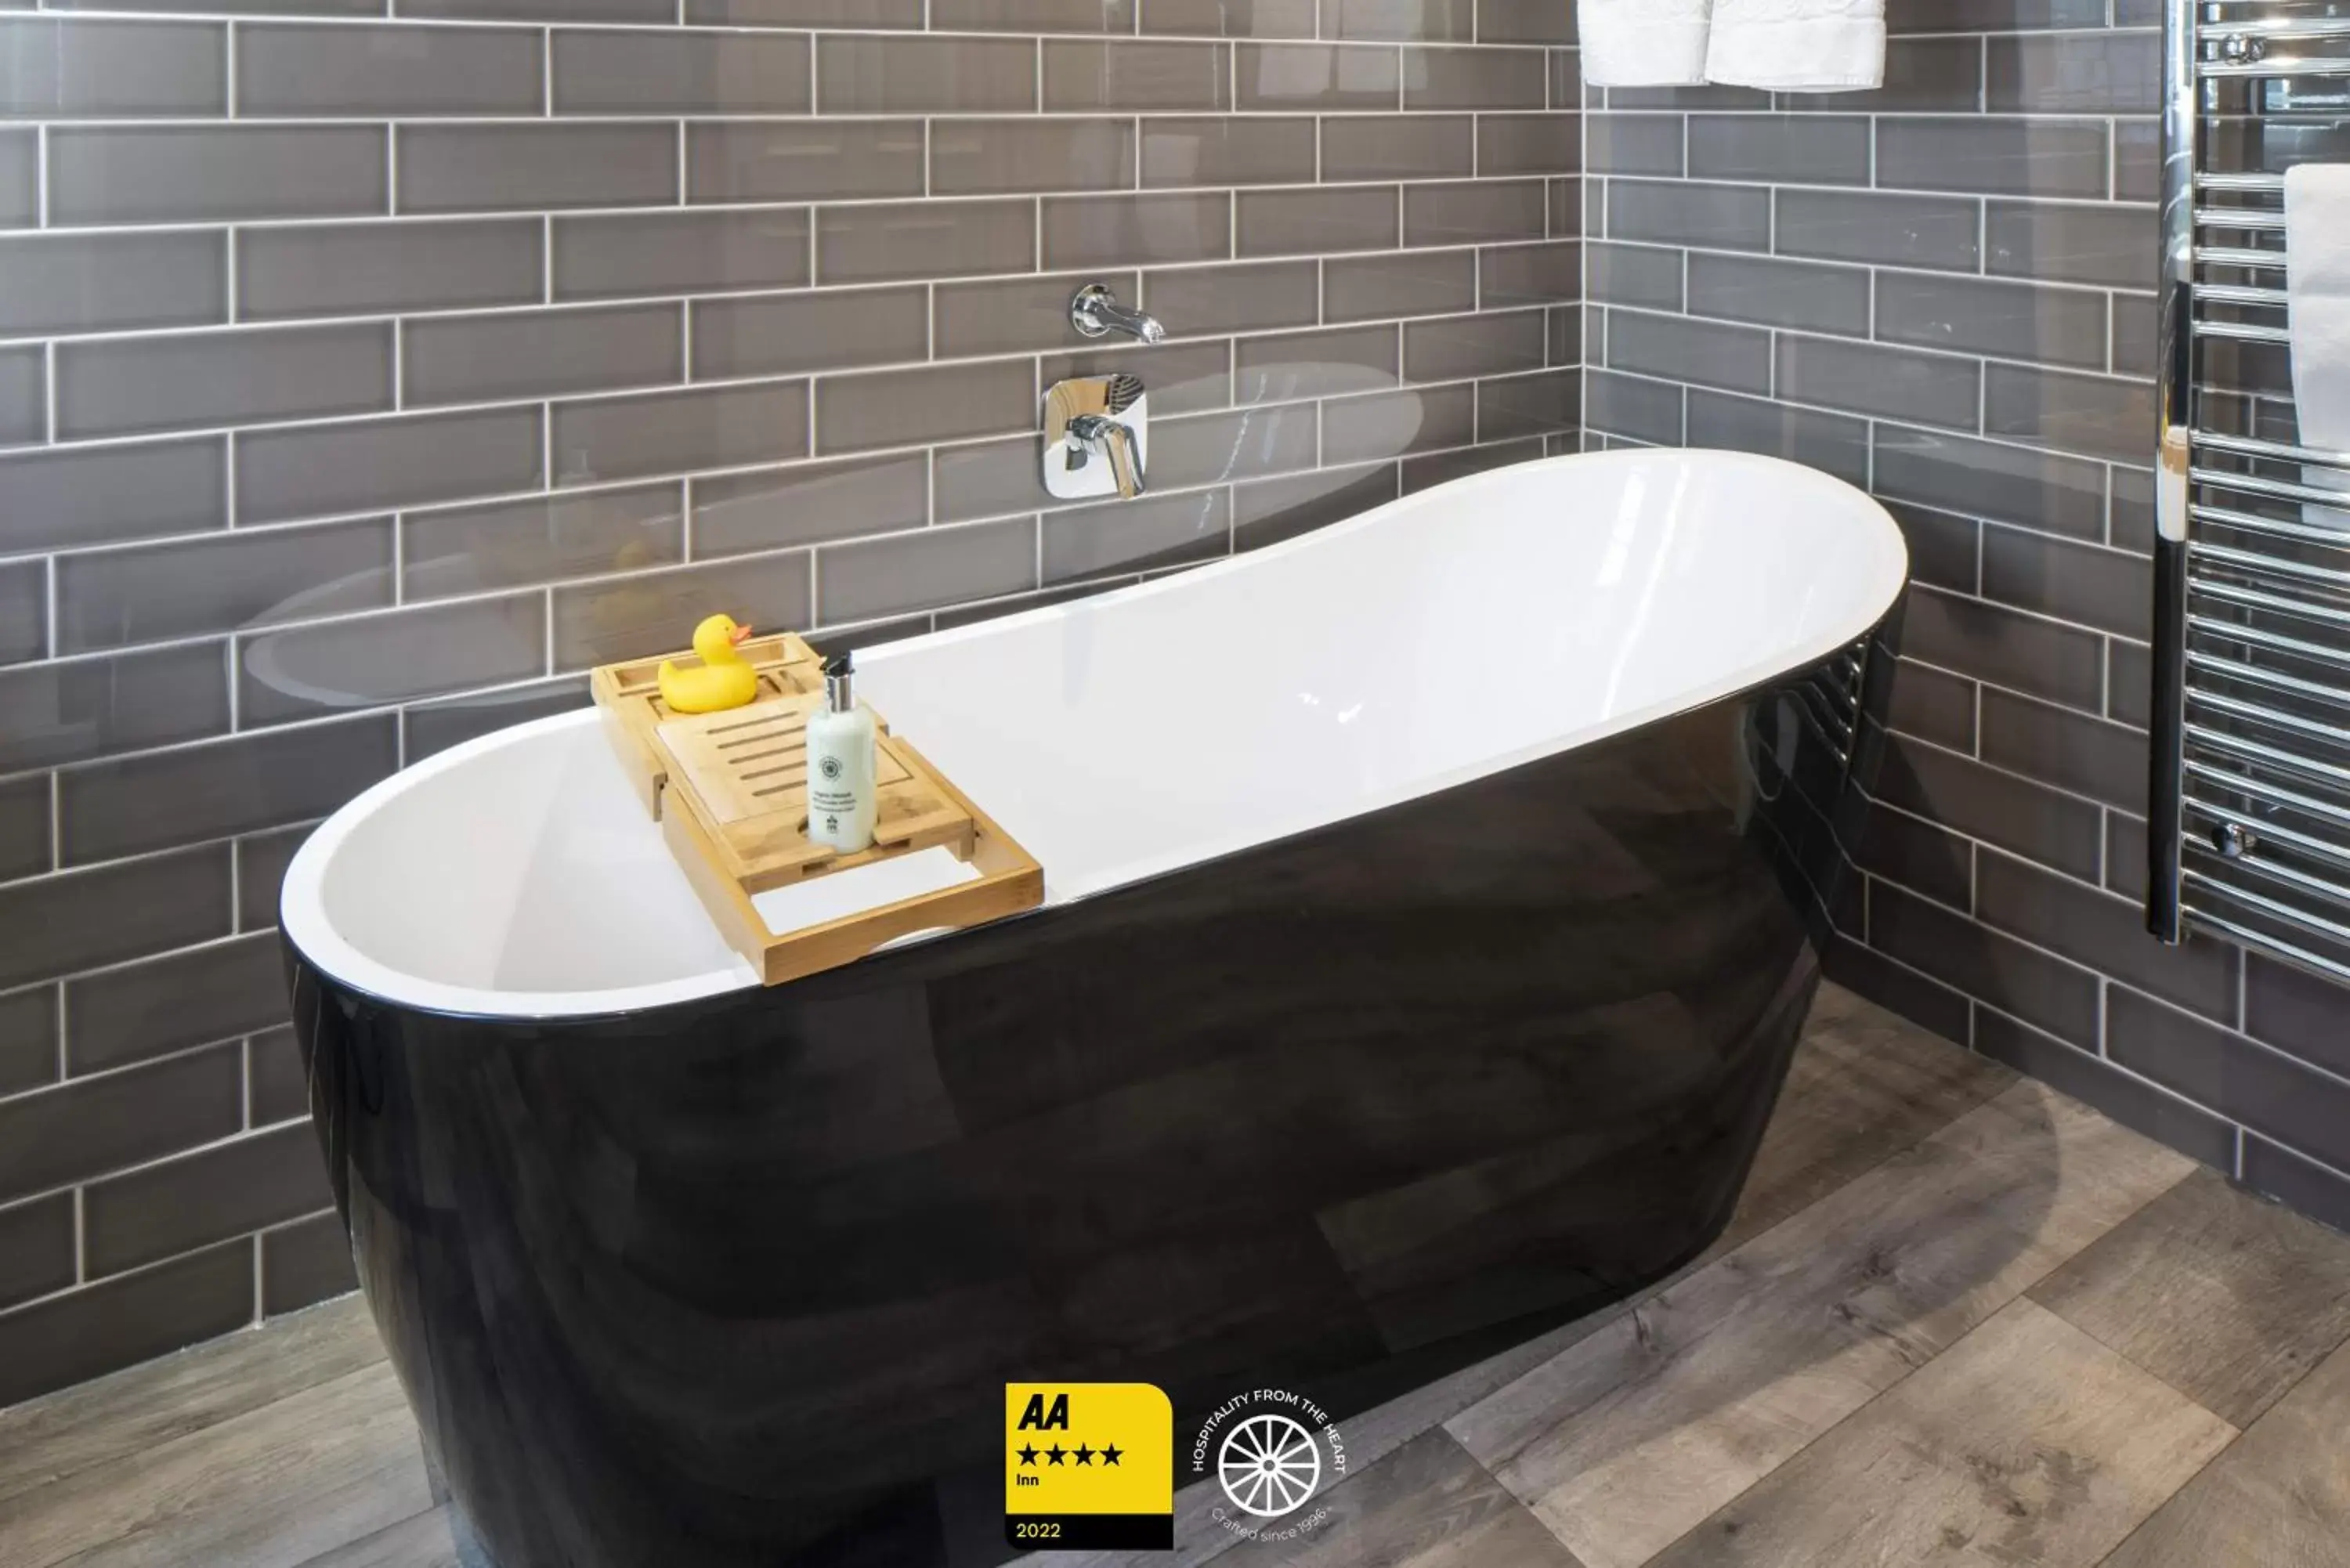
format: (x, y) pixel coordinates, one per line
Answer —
(1432, 904)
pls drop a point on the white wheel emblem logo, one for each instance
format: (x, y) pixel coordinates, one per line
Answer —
(1268, 1464)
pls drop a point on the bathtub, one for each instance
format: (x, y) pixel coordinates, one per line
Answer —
(1433, 904)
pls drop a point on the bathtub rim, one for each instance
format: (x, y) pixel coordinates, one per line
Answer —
(306, 926)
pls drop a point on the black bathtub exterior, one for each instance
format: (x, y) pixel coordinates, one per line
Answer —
(739, 1282)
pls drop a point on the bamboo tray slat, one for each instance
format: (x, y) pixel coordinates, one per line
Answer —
(630, 696)
(746, 777)
(731, 792)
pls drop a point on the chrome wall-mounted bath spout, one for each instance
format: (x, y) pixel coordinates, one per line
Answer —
(1094, 311)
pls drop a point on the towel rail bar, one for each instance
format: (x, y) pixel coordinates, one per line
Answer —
(2239, 218)
(2207, 180)
(2284, 452)
(2240, 293)
(2294, 29)
(2266, 830)
(2308, 768)
(2315, 925)
(2274, 67)
(2270, 831)
(2253, 563)
(2248, 831)
(2242, 330)
(2270, 792)
(2288, 875)
(2273, 641)
(2274, 680)
(2239, 257)
(2275, 489)
(2254, 600)
(2261, 713)
(2267, 942)
(2276, 528)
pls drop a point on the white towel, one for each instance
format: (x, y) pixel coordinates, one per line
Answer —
(1797, 46)
(2317, 289)
(1643, 43)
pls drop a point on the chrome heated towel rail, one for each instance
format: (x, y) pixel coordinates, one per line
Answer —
(2249, 826)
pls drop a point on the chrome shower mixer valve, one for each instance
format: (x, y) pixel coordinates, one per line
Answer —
(1108, 416)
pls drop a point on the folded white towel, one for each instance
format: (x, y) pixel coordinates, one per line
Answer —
(2317, 289)
(1643, 43)
(1798, 46)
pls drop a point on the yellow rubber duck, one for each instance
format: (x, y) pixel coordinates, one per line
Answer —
(725, 678)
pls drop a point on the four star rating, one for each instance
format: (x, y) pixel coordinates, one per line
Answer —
(1108, 1453)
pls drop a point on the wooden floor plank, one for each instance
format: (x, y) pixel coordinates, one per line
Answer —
(2026, 1443)
(1426, 1505)
(2227, 1298)
(1906, 1196)
(423, 1541)
(1865, 1085)
(269, 1488)
(1370, 1439)
(48, 1440)
(1634, 1435)
(2278, 1497)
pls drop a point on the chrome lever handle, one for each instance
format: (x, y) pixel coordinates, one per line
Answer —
(1116, 441)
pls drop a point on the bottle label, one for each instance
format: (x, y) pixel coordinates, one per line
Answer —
(825, 793)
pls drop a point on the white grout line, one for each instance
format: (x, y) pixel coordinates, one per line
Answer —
(355, 220)
(49, 604)
(432, 314)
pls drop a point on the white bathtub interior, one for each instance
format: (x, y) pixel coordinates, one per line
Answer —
(528, 868)
(1453, 633)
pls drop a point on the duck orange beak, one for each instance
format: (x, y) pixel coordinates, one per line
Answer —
(738, 634)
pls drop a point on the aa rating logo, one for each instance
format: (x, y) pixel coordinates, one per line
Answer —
(1088, 1467)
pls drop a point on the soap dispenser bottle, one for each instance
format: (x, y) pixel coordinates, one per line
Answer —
(840, 765)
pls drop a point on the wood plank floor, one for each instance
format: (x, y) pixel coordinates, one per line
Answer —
(1958, 1319)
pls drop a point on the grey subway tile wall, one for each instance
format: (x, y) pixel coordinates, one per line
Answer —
(1943, 291)
(364, 377)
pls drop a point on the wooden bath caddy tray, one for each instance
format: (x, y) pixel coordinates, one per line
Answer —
(731, 792)
(629, 695)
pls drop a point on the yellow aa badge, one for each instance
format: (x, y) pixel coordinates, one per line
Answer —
(1088, 1467)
